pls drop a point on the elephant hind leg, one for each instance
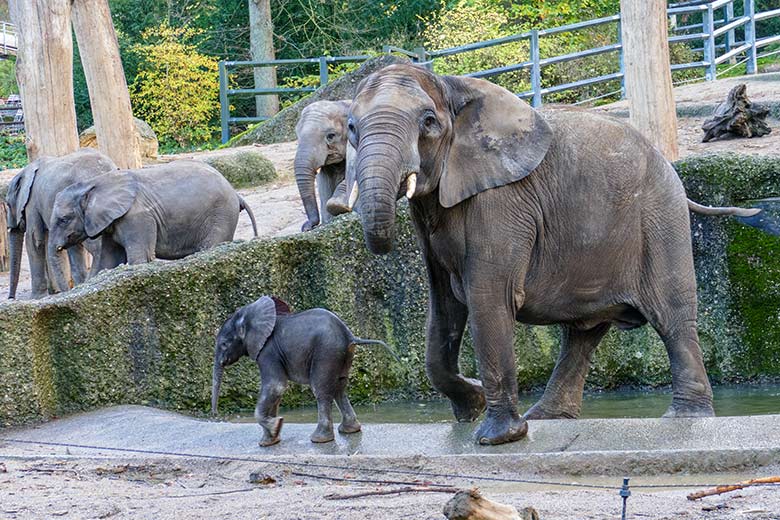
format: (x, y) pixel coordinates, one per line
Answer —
(562, 397)
(349, 420)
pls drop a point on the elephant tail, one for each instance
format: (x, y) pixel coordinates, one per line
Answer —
(244, 206)
(718, 210)
(361, 341)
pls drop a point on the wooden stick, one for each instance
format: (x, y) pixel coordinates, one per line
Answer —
(394, 492)
(370, 481)
(733, 487)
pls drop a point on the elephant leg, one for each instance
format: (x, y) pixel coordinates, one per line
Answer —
(77, 257)
(266, 411)
(326, 186)
(562, 397)
(36, 256)
(111, 255)
(94, 247)
(338, 204)
(349, 420)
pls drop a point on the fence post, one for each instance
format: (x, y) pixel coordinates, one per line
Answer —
(728, 9)
(708, 25)
(536, 70)
(323, 70)
(750, 37)
(422, 57)
(620, 59)
(224, 107)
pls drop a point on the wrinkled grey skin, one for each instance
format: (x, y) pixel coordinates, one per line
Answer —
(30, 199)
(570, 218)
(165, 211)
(322, 147)
(312, 348)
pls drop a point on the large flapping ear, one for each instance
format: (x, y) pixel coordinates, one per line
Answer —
(19, 194)
(111, 198)
(497, 139)
(282, 308)
(259, 322)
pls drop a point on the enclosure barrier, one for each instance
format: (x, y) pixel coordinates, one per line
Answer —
(8, 38)
(724, 36)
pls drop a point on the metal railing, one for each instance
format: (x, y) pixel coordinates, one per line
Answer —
(8, 39)
(717, 28)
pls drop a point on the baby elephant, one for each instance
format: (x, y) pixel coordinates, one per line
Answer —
(166, 211)
(312, 347)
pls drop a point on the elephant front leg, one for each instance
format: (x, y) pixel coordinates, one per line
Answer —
(267, 409)
(36, 256)
(562, 397)
(338, 204)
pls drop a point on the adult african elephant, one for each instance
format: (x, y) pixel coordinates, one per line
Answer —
(30, 199)
(323, 148)
(566, 218)
(165, 211)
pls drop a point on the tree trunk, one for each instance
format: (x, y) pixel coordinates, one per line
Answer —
(261, 47)
(648, 74)
(108, 95)
(45, 75)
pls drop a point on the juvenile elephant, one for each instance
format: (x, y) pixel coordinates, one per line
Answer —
(166, 211)
(312, 347)
(30, 199)
(567, 218)
(323, 148)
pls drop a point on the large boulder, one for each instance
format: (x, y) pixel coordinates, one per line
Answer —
(281, 127)
(243, 169)
(147, 139)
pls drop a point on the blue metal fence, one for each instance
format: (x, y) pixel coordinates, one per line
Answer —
(723, 35)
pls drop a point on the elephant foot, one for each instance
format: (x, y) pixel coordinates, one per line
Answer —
(541, 412)
(308, 226)
(501, 427)
(337, 205)
(350, 426)
(322, 434)
(271, 429)
(469, 403)
(680, 409)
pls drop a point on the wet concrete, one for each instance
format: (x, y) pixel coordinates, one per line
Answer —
(593, 446)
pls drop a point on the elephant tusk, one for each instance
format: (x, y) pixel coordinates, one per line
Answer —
(411, 185)
(353, 195)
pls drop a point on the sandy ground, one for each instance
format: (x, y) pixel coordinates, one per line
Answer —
(75, 487)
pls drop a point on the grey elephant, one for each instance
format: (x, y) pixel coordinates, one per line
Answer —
(566, 218)
(165, 211)
(322, 157)
(312, 347)
(29, 203)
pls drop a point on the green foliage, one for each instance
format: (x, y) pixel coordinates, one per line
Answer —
(8, 78)
(176, 89)
(13, 152)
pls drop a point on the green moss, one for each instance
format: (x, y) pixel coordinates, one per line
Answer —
(244, 169)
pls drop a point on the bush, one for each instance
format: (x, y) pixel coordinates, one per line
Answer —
(244, 169)
(13, 152)
(177, 89)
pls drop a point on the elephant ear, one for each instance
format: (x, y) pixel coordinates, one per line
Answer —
(497, 139)
(19, 194)
(111, 196)
(259, 320)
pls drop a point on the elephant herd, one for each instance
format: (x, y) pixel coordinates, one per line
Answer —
(555, 217)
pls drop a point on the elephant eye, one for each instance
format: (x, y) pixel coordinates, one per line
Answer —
(429, 122)
(352, 134)
(331, 136)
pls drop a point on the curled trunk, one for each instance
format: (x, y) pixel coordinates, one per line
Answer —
(216, 382)
(16, 242)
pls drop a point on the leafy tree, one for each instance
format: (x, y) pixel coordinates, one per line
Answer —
(176, 89)
(8, 78)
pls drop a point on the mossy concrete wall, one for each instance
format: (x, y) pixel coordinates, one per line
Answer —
(146, 334)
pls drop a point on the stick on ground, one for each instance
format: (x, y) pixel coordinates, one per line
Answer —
(733, 487)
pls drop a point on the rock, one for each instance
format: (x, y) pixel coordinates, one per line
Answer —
(471, 505)
(281, 127)
(243, 169)
(147, 139)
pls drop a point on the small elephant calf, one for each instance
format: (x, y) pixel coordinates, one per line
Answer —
(312, 347)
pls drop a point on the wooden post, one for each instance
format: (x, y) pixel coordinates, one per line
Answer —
(261, 47)
(44, 67)
(108, 95)
(648, 74)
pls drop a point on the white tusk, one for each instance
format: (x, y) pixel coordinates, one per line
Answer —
(411, 185)
(353, 195)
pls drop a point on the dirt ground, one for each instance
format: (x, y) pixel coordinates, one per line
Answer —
(184, 489)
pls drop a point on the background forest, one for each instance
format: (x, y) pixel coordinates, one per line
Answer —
(170, 48)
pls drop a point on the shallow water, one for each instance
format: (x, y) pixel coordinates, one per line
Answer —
(729, 400)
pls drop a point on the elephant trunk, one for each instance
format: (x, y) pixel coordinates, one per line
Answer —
(216, 381)
(307, 161)
(59, 267)
(16, 242)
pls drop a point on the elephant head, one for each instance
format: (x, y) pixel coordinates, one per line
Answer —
(243, 334)
(16, 201)
(85, 209)
(446, 137)
(322, 141)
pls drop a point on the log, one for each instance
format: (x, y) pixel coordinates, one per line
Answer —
(44, 71)
(648, 74)
(733, 487)
(737, 116)
(108, 94)
(471, 505)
